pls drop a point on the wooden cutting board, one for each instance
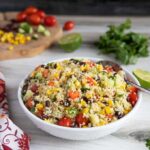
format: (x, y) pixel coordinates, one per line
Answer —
(32, 48)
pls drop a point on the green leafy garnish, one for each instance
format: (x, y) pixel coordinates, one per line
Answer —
(127, 46)
(148, 143)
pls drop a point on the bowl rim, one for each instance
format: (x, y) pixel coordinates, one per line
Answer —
(79, 129)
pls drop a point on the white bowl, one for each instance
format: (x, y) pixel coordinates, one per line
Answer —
(80, 133)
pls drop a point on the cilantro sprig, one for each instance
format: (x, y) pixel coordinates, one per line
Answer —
(127, 46)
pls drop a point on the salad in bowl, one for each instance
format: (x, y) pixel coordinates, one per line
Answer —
(77, 93)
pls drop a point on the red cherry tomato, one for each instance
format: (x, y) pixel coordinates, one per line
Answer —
(50, 21)
(81, 120)
(34, 88)
(108, 68)
(41, 13)
(132, 89)
(69, 25)
(34, 19)
(65, 121)
(21, 16)
(31, 10)
(133, 98)
(2, 90)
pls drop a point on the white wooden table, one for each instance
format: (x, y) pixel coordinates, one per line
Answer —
(130, 137)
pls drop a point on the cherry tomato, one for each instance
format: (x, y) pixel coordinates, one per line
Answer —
(34, 88)
(90, 80)
(34, 19)
(132, 89)
(65, 121)
(50, 21)
(51, 83)
(81, 120)
(29, 103)
(69, 25)
(2, 90)
(45, 73)
(73, 94)
(21, 16)
(133, 98)
(108, 68)
(31, 10)
(41, 13)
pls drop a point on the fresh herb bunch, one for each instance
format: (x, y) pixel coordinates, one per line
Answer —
(148, 143)
(127, 46)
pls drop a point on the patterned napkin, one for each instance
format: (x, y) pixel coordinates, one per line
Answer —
(11, 136)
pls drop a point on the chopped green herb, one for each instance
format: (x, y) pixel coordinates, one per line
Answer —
(84, 89)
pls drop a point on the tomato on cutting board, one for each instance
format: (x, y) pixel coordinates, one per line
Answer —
(50, 21)
(41, 13)
(34, 19)
(31, 10)
(21, 16)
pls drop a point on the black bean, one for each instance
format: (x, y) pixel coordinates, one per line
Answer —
(66, 103)
(86, 100)
(47, 103)
(74, 61)
(118, 114)
(81, 63)
(35, 102)
(55, 66)
(46, 67)
(74, 125)
(42, 66)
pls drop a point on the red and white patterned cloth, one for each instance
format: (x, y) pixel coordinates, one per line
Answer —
(11, 136)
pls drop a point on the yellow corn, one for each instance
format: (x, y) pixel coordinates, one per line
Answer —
(77, 84)
(83, 103)
(101, 123)
(110, 103)
(100, 67)
(39, 106)
(49, 92)
(102, 112)
(14, 39)
(108, 110)
(85, 110)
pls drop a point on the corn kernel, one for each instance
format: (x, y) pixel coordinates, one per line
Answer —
(102, 112)
(110, 103)
(49, 92)
(108, 110)
(101, 123)
(85, 110)
(39, 106)
(77, 84)
(83, 103)
(100, 67)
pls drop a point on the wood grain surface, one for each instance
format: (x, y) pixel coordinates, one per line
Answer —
(31, 48)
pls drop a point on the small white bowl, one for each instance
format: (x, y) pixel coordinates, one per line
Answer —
(80, 133)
